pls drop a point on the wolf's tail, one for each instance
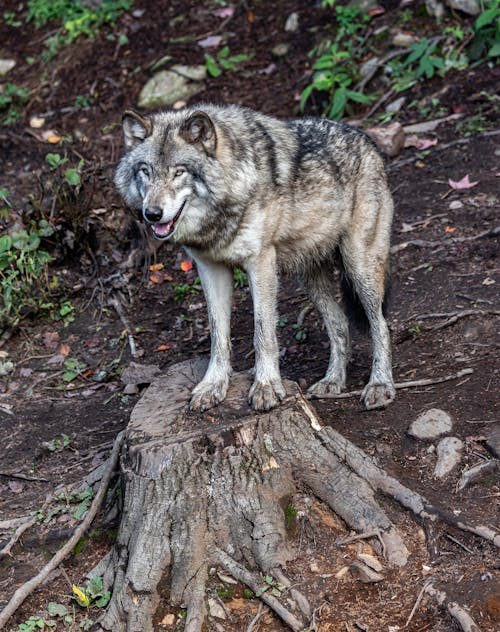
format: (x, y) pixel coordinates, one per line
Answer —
(353, 306)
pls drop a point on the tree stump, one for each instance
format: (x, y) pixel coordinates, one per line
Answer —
(211, 489)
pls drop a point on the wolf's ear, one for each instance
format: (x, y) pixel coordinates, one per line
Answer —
(135, 128)
(199, 128)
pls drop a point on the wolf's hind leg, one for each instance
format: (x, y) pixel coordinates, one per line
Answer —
(366, 262)
(217, 282)
(320, 286)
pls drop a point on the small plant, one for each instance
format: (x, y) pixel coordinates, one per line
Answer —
(73, 368)
(58, 444)
(486, 42)
(226, 593)
(290, 516)
(12, 98)
(82, 101)
(300, 332)
(72, 175)
(275, 587)
(10, 19)
(35, 623)
(240, 278)
(92, 594)
(183, 290)
(423, 52)
(224, 61)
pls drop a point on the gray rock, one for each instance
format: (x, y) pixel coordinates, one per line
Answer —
(404, 40)
(395, 106)
(215, 609)
(364, 573)
(292, 23)
(364, 5)
(390, 138)
(493, 440)
(137, 373)
(280, 50)
(449, 453)
(431, 424)
(471, 7)
(6, 65)
(168, 86)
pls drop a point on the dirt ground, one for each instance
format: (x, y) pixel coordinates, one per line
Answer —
(443, 318)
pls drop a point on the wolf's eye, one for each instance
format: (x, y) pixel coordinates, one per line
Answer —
(179, 172)
(144, 170)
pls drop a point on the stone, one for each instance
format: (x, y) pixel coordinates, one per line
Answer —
(493, 440)
(280, 50)
(449, 453)
(6, 65)
(471, 7)
(431, 424)
(292, 23)
(137, 373)
(169, 86)
(364, 5)
(404, 40)
(364, 573)
(370, 561)
(215, 609)
(455, 205)
(390, 138)
(395, 106)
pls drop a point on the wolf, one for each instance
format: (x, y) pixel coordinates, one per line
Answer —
(236, 187)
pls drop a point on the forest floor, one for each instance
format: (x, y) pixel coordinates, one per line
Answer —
(443, 317)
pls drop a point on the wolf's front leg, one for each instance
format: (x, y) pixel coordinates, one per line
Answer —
(267, 390)
(217, 282)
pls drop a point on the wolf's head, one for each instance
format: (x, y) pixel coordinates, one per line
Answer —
(170, 172)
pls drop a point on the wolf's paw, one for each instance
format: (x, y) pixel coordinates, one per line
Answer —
(266, 395)
(378, 395)
(207, 395)
(326, 386)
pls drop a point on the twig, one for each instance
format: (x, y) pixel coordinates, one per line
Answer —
(254, 583)
(376, 66)
(453, 317)
(473, 299)
(255, 620)
(421, 243)
(417, 603)
(463, 618)
(24, 477)
(26, 589)
(303, 313)
(117, 305)
(18, 533)
(13, 523)
(380, 102)
(460, 544)
(436, 148)
(398, 385)
(358, 536)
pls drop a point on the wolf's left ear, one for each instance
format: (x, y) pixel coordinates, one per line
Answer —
(199, 128)
(135, 128)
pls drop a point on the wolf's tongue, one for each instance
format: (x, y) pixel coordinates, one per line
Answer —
(163, 229)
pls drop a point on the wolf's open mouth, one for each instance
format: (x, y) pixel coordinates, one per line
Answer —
(162, 231)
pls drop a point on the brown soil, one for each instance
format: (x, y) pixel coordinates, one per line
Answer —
(448, 277)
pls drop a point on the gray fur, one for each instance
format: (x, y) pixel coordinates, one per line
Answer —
(238, 188)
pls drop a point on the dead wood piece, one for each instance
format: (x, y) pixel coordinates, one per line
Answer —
(399, 385)
(422, 243)
(461, 616)
(130, 337)
(476, 472)
(26, 589)
(6, 550)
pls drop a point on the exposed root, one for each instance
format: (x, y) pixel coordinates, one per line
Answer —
(421, 243)
(295, 594)
(24, 526)
(26, 589)
(398, 385)
(246, 577)
(461, 616)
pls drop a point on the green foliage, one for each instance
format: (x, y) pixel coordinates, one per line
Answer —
(58, 444)
(240, 278)
(75, 18)
(486, 42)
(73, 368)
(10, 19)
(224, 61)
(92, 594)
(290, 516)
(183, 290)
(226, 593)
(12, 98)
(35, 623)
(337, 67)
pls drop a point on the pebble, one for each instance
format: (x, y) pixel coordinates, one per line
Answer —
(6, 65)
(449, 453)
(215, 609)
(455, 205)
(431, 424)
(471, 7)
(395, 106)
(292, 23)
(280, 50)
(364, 573)
(390, 138)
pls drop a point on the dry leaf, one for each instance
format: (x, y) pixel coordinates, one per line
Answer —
(64, 350)
(156, 266)
(213, 41)
(450, 229)
(164, 347)
(464, 183)
(186, 266)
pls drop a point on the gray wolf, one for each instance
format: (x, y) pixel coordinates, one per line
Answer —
(238, 188)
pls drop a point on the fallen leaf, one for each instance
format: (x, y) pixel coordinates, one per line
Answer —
(488, 281)
(156, 266)
(164, 347)
(158, 277)
(250, 16)
(420, 164)
(50, 136)
(376, 11)
(36, 122)
(64, 349)
(464, 183)
(450, 229)
(51, 339)
(268, 69)
(210, 42)
(420, 143)
(168, 619)
(186, 266)
(15, 486)
(226, 12)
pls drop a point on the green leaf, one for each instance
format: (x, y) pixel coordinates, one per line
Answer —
(72, 177)
(418, 50)
(212, 66)
(306, 93)
(338, 104)
(358, 97)
(95, 587)
(104, 600)
(494, 50)
(5, 243)
(56, 609)
(486, 17)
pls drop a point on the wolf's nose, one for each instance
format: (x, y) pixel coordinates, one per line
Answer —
(153, 214)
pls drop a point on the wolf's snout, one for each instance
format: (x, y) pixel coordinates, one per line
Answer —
(153, 214)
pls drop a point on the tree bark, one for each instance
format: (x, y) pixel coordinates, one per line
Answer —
(211, 489)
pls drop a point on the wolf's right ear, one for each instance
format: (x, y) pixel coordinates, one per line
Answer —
(199, 128)
(135, 128)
